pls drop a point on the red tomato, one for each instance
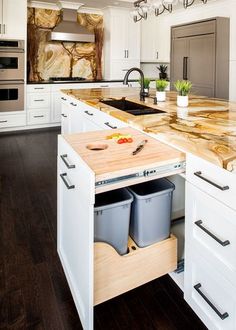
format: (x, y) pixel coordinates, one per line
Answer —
(130, 140)
(120, 141)
(125, 140)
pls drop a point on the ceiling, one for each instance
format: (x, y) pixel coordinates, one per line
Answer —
(97, 3)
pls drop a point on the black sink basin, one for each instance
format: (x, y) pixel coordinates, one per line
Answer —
(131, 107)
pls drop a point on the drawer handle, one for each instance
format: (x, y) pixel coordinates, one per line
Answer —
(41, 100)
(199, 224)
(3, 121)
(74, 104)
(38, 88)
(109, 125)
(41, 116)
(68, 186)
(63, 157)
(63, 98)
(199, 175)
(222, 316)
(88, 113)
(104, 85)
(64, 115)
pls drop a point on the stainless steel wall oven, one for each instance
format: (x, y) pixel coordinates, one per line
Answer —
(12, 72)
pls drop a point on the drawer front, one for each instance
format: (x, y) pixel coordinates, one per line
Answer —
(40, 100)
(12, 121)
(38, 117)
(112, 123)
(38, 88)
(209, 294)
(214, 180)
(211, 230)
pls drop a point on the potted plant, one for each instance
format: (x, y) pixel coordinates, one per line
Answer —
(161, 85)
(146, 83)
(162, 68)
(183, 88)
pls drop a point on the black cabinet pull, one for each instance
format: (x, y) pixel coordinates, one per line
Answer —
(222, 316)
(185, 68)
(3, 121)
(74, 104)
(38, 88)
(40, 116)
(222, 243)
(41, 100)
(64, 115)
(68, 186)
(63, 98)
(199, 175)
(88, 113)
(109, 125)
(63, 157)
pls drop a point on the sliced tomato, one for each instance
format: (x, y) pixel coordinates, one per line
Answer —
(130, 140)
(120, 141)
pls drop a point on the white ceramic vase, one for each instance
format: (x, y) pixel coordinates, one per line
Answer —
(161, 96)
(182, 101)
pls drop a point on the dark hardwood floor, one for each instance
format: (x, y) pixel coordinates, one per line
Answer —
(33, 290)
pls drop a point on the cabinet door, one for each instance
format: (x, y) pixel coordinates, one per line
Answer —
(148, 36)
(118, 36)
(179, 52)
(75, 233)
(65, 127)
(76, 119)
(133, 39)
(89, 126)
(201, 64)
(56, 107)
(14, 19)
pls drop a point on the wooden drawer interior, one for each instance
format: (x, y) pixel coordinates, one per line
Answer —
(115, 274)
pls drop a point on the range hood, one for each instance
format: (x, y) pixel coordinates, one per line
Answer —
(70, 30)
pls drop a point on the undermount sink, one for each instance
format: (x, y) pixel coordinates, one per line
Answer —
(133, 108)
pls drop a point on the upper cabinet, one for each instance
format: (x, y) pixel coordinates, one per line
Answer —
(200, 53)
(155, 40)
(121, 43)
(13, 19)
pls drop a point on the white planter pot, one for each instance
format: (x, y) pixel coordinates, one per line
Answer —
(161, 96)
(146, 91)
(182, 101)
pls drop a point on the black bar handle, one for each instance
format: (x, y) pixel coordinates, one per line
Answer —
(109, 125)
(222, 316)
(185, 68)
(88, 113)
(74, 104)
(63, 98)
(68, 186)
(222, 243)
(63, 157)
(64, 115)
(199, 175)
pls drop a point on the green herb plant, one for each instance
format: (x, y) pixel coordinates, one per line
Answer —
(146, 82)
(161, 85)
(183, 87)
(162, 68)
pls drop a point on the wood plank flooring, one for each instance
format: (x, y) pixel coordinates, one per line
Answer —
(33, 290)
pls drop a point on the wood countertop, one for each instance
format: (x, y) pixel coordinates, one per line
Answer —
(207, 128)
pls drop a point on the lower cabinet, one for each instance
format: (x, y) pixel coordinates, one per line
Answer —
(12, 120)
(95, 271)
(210, 244)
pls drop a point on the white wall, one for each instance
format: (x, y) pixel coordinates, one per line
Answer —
(213, 8)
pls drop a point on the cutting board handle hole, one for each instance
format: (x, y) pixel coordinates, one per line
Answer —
(97, 146)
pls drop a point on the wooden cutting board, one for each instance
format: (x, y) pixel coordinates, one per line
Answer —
(117, 159)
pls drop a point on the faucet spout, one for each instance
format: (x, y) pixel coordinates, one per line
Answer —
(126, 79)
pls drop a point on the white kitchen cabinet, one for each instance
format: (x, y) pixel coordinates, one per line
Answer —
(75, 229)
(12, 120)
(155, 40)
(121, 43)
(210, 243)
(13, 19)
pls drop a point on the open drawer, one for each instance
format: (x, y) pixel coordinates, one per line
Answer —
(115, 274)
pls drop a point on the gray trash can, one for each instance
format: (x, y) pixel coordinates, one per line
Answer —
(112, 218)
(151, 211)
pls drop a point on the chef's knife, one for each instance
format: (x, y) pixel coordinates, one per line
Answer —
(139, 147)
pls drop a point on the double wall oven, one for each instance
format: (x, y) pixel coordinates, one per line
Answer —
(12, 73)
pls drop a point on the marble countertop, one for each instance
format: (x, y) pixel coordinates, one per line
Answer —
(207, 128)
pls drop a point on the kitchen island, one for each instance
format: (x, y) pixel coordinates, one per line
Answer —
(205, 135)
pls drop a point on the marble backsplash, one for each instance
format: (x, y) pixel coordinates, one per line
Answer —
(56, 59)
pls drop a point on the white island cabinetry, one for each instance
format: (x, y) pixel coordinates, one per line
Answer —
(210, 243)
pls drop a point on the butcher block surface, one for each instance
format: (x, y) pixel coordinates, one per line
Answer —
(117, 159)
